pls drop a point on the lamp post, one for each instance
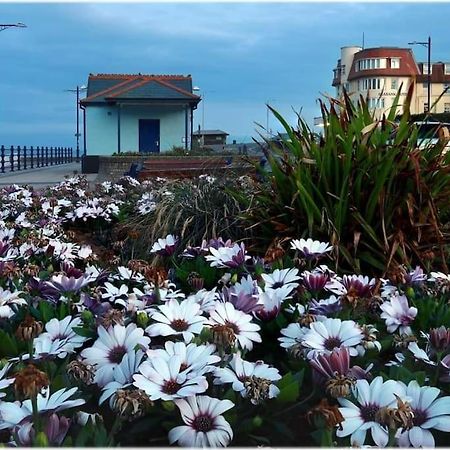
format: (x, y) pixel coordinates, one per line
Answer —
(426, 44)
(269, 133)
(4, 26)
(77, 91)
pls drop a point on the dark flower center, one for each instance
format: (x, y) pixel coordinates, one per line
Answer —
(369, 412)
(419, 417)
(203, 423)
(277, 285)
(332, 343)
(116, 354)
(171, 387)
(179, 325)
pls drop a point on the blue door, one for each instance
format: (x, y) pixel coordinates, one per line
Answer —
(149, 135)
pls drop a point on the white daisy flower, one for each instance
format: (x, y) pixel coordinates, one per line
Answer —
(175, 318)
(8, 298)
(310, 249)
(241, 373)
(63, 330)
(359, 419)
(429, 412)
(14, 413)
(126, 274)
(205, 425)
(244, 330)
(293, 335)
(123, 374)
(110, 348)
(281, 278)
(420, 354)
(326, 335)
(164, 379)
(5, 382)
(206, 299)
(197, 359)
(116, 295)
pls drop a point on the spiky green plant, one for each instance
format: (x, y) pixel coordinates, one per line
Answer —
(363, 185)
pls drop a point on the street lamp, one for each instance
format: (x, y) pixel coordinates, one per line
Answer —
(427, 45)
(4, 26)
(77, 90)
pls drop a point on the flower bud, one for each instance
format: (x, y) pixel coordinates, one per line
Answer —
(41, 440)
(142, 319)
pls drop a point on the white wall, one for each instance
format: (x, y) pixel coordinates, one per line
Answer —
(101, 127)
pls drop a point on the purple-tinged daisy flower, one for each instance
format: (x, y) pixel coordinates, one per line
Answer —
(205, 425)
(241, 300)
(166, 246)
(398, 314)
(281, 278)
(352, 285)
(228, 257)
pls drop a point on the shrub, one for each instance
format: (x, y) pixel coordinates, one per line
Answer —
(363, 185)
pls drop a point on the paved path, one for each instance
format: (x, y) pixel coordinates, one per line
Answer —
(44, 176)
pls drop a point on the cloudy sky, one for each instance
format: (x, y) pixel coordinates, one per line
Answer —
(241, 55)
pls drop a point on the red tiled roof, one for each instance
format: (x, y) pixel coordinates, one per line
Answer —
(119, 76)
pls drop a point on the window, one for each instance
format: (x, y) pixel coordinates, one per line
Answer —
(425, 68)
(447, 107)
(395, 63)
(374, 103)
(372, 63)
(394, 83)
(425, 107)
(371, 83)
(447, 88)
(447, 69)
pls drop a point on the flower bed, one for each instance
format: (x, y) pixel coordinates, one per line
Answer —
(206, 345)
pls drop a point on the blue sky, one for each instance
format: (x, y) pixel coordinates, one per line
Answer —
(241, 55)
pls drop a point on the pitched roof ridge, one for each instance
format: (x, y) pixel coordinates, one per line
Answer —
(139, 75)
(176, 88)
(129, 88)
(105, 91)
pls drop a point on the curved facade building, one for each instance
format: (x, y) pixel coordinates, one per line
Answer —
(378, 73)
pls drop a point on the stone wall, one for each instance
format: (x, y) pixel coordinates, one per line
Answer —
(113, 167)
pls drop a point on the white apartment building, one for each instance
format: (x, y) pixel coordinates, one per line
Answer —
(379, 72)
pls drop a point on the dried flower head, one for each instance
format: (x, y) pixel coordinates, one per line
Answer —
(329, 414)
(30, 381)
(340, 386)
(403, 340)
(29, 328)
(305, 320)
(31, 270)
(131, 404)
(223, 336)
(110, 318)
(81, 372)
(156, 275)
(396, 418)
(257, 389)
(137, 265)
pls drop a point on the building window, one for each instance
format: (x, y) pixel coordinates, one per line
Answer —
(343, 69)
(447, 107)
(447, 69)
(425, 107)
(374, 103)
(371, 83)
(372, 63)
(425, 68)
(394, 83)
(395, 63)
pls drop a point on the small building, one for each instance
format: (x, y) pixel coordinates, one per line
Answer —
(208, 138)
(138, 113)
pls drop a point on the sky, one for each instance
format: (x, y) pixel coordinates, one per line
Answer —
(241, 55)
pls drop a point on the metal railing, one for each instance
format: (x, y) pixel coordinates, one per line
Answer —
(22, 158)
